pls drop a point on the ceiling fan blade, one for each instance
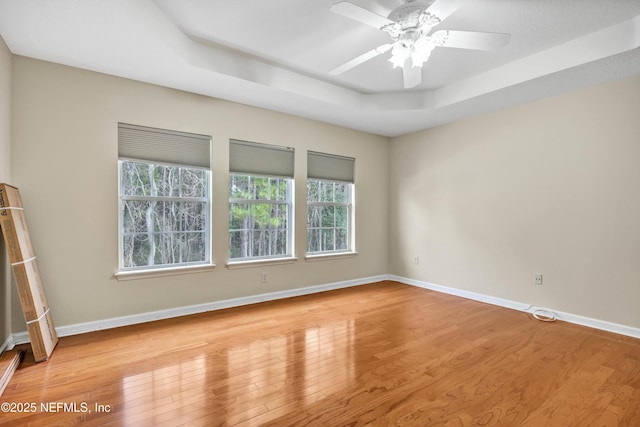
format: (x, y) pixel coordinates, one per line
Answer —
(471, 39)
(412, 76)
(360, 14)
(443, 8)
(360, 59)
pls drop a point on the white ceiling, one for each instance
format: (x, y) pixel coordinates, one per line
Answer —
(276, 54)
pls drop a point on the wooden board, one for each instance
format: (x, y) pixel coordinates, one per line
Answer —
(43, 336)
(9, 362)
(14, 225)
(33, 299)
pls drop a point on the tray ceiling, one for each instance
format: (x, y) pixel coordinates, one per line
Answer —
(277, 54)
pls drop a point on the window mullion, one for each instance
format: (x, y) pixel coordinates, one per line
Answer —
(258, 201)
(165, 199)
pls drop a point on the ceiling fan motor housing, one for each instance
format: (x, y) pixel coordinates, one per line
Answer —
(411, 17)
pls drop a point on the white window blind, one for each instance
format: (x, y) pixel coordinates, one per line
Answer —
(163, 146)
(330, 167)
(260, 159)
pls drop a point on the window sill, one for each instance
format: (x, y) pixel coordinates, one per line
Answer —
(331, 256)
(231, 265)
(160, 272)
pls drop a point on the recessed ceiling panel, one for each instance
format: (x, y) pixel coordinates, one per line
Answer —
(277, 54)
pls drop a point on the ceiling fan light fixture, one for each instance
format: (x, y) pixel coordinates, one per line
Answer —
(410, 28)
(397, 61)
(421, 51)
(418, 51)
(399, 54)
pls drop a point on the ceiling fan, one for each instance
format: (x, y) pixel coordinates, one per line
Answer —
(409, 26)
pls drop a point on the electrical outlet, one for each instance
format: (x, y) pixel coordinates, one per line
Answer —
(263, 277)
(537, 278)
(416, 260)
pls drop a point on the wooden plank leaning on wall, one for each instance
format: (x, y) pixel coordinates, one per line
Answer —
(33, 299)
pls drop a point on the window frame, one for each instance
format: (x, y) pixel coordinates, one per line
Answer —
(289, 201)
(164, 268)
(349, 204)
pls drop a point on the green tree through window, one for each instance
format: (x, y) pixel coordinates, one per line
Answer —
(259, 217)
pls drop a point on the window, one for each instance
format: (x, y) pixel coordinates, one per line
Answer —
(164, 198)
(328, 216)
(329, 203)
(260, 201)
(259, 216)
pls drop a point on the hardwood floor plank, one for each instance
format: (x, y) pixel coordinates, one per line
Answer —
(381, 354)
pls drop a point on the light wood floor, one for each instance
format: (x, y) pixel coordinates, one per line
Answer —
(381, 354)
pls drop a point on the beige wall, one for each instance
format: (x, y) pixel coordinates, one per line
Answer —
(64, 160)
(5, 176)
(550, 187)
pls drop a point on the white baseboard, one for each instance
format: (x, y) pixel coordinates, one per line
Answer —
(80, 328)
(8, 344)
(567, 317)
